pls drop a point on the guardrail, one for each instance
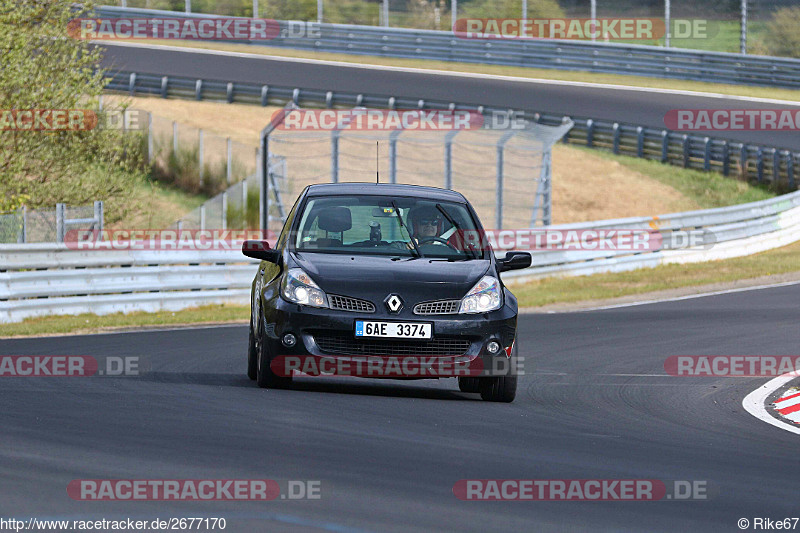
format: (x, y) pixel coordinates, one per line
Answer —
(763, 164)
(41, 279)
(612, 58)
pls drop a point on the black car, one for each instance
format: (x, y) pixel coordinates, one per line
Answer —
(366, 272)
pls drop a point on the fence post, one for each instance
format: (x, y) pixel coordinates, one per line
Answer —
(200, 155)
(393, 155)
(24, 223)
(244, 204)
(448, 158)
(60, 212)
(98, 215)
(335, 156)
(188, 5)
(706, 153)
(385, 11)
(790, 169)
(149, 138)
(225, 210)
(615, 129)
(743, 153)
(229, 162)
(255, 9)
(776, 167)
(664, 146)
(203, 216)
(760, 164)
(685, 141)
(175, 137)
(498, 210)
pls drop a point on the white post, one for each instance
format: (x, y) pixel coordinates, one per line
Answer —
(386, 13)
(666, 23)
(319, 10)
(188, 6)
(524, 9)
(225, 210)
(593, 16)
(453, 14)
(255, 9)
(743, 38)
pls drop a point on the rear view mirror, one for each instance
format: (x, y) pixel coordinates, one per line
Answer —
(260, 250)
(514, 261)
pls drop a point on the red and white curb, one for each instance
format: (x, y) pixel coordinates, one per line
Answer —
(755, 403)
(788, 406)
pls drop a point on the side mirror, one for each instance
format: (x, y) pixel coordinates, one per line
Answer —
(514, 261)
(260, 250)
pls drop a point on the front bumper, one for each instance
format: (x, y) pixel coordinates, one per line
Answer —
(457, 340)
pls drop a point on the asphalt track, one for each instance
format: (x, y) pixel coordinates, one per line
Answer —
(622, 105)
(595, 403)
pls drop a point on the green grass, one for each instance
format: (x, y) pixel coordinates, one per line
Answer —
(601, 286)
(89, 323)
(708, 189)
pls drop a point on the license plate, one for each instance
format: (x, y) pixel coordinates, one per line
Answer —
(393, 330)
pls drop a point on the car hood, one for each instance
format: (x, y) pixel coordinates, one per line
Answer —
(374, 278)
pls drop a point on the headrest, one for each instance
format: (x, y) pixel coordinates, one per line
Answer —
(335, 219)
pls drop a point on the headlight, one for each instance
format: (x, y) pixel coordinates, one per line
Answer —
(298, 287)
(483, 297)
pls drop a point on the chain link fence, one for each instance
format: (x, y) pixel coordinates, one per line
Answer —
(48, 225)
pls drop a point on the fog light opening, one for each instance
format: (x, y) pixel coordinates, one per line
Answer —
(289, 340)
(493, 347)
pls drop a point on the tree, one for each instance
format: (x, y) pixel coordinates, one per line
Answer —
(44, 68)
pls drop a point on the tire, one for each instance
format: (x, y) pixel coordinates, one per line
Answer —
(252, 362)
(469, 385)
(501, 388)
(265, 377)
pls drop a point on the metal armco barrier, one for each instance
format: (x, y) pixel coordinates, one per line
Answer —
(639, 60)
(763, 164)
(44, 279)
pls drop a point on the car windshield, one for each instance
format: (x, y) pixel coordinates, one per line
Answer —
(382, 225)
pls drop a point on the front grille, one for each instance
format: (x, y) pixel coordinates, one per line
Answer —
(345, 303)
(345, 344)
(440, 307)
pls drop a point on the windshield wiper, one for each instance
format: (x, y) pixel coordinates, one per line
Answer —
(452, 221)
(410, 238)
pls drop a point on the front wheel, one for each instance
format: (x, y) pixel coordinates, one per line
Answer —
(501, 388)
(265, 377)
(469, 384)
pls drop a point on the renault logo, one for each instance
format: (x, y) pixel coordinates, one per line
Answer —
(394, 303)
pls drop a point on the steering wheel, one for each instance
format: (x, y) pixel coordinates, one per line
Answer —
(423, 240)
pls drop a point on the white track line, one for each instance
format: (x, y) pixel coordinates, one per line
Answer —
(754, 402)
(435, 72)
(674, 299)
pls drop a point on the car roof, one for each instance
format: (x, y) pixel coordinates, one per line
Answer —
(385, 189)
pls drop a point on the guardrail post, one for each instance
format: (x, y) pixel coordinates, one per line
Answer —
(790, 169)
(639, 141)
(98, 215)
(198, 90)
(296, 96)
(706, 153)
(760, 164)
(149, 138)
(589, 132)
(229, 88)
(60, 229)
(229, 161)
(726, 158)
(188, 6)
(685, 145)
(776, 166)
(175, 137)
(385, 11)
(615, 130)
(200, 155)
(565, 138)
(132, 84)
(164, 86)
(743, 153)
(264, 93)
(391, 102)
(329, 98)
(664, 146)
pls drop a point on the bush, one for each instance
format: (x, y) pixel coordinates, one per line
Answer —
(782, 37)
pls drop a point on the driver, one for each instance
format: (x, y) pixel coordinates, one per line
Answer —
(426, 222)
